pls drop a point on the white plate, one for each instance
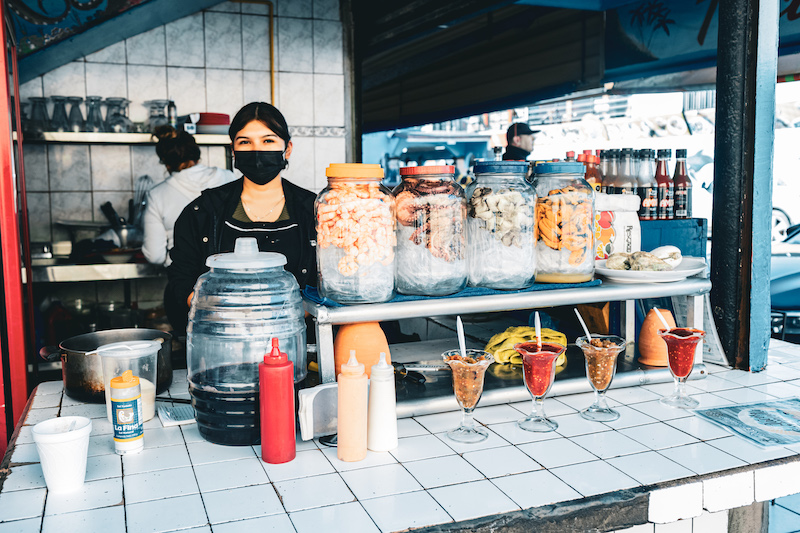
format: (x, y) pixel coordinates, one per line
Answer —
(688, 267)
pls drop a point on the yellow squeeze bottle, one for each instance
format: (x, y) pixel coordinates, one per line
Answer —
(352, 411)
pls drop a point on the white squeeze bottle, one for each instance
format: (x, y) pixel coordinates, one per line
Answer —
(352, 431)
(382, 425)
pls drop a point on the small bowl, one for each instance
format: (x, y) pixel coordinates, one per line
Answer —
(119, 255)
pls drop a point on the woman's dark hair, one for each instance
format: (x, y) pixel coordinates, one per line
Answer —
(175, 148)
(263, 112)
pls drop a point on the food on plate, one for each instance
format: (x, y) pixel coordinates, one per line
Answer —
(501, 346)
(669, 254)
(641, 261)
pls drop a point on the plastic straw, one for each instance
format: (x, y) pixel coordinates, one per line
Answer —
(661, 318)
(461, 341)
(538, 325)
(583, 324)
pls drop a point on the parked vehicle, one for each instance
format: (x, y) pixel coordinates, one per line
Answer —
(785, 286)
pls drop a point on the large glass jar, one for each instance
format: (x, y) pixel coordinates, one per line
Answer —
(501, 230)
(431, 232)
(239, 306)
(355, 235)
(565, 223)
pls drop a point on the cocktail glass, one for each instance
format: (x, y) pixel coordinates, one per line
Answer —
(539, 368)
(468, 373)
(681, 345)
(601, 364)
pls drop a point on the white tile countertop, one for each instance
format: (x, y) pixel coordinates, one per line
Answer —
(686, 469)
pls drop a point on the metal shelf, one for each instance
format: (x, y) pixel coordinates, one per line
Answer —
(97, 272)
(202, 139)
(693, 288)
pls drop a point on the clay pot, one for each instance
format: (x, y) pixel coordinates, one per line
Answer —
(652, 348)
(366, 338)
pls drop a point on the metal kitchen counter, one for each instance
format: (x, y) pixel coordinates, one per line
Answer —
(96, 272)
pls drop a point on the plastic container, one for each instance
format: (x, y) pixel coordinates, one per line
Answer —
(239, 306)
(382, 416)
(141, 358)
(355, 235)
(501, 228)
(276, 397)
(126, 414)
(63, 445)
(565, 223)
(431, 232)
(352, 412)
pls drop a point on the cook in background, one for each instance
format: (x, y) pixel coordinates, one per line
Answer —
(520, 142)
(261, 204)
(179, 153)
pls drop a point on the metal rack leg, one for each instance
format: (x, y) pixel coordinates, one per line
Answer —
(327, 366)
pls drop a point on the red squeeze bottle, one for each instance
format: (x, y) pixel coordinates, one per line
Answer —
(276, 401)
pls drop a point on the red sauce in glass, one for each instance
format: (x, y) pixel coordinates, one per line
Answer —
(681, 343)
(537, 365)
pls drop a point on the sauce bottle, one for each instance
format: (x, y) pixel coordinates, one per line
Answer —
(610, 171)
(648, 186)
(593, 175)
(625, 181)
(570, 156)
(665, 186)
(382, 424)
(683, 187)
(276, 403)
(352, 411)
(126, 413)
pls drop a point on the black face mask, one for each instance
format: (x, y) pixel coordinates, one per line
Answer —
(260, 167)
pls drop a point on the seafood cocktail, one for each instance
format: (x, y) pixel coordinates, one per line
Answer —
(539, 368)
(601, 363)
(468, 372)
(681, 346)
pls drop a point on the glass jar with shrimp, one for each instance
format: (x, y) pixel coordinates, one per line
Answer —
(431, 232)
(565, 223)
(355, 235)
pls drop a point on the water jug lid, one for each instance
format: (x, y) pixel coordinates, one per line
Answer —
(245, 256)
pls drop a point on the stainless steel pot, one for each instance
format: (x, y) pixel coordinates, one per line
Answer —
(82, 368)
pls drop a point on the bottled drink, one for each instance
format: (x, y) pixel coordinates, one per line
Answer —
(570, 157)
(648, 187)
(683, 187)
(625, 181)
(665, 186)
(593, 175)
(610, 172)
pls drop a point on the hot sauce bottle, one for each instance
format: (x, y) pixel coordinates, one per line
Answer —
(648, 186)
(276, 404)
(683, 187)
(625, 182)
(665, 186)
(593, 175)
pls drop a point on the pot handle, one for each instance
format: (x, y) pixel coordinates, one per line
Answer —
(50, 353)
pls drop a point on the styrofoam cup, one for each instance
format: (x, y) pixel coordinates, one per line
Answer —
(63, 448)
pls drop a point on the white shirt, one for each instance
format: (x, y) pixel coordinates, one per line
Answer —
(166, 201)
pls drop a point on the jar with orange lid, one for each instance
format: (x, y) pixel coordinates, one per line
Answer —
(355, 235)
(431, 232)
(565, 223)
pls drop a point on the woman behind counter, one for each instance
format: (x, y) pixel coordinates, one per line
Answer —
(261, 204)
(179, 153)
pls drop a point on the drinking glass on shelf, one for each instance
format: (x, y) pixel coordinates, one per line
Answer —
(76, 122)
(94, 114)
(539, 369)
(39, 121)
(601, 364)
(468, 373)
(157, 115)
(681, 346)
(59, 122)
(117, 120)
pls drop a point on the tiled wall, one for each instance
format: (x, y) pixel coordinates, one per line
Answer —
(216, 60)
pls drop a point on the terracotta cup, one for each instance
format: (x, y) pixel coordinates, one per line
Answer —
(652, 348)
(367, 339)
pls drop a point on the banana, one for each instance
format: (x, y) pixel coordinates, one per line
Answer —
(502, 344)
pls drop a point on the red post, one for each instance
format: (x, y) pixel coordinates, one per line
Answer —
(14, 349)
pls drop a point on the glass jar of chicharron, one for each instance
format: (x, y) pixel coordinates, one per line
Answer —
(565, 224)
